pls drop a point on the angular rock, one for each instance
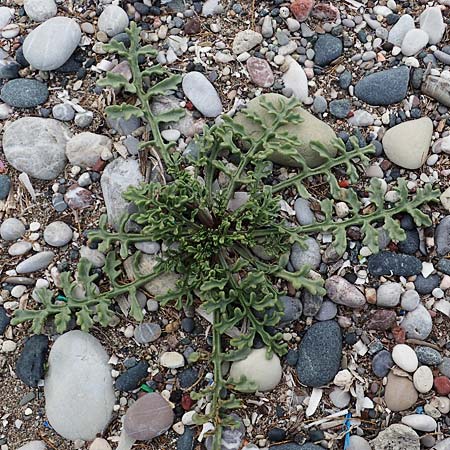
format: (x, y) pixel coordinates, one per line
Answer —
(301, 9)
(418, 323)
(116, 178)
(265, 373)
(311, 129)
(203, 95)
(382, 320)
(340, 291)
(260, 72)
(319, 354)
(400, 29)
(400, 393)
(36, 146)
(408, 143)
(4, 320)
(30, 364)
(245, 40)
(442, 236)
(432, 22)
(398, 437)
(384, 88)
(149, 417)
(147, 332)
(292, 309)
(43, 51)
(24, 93)
(387, 263)
(79, 394)
(85, 149)
(382, 363)
(311, 303)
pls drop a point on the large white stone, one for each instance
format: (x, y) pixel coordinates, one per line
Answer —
(36, 146)
(40, 10)
(265, 373)
(423, 379)
(432, 22)
(52, 43)
(407, 144)
(113, 20)
(405, 357)
(399, 30)
(420, 422)
(414, 41)
(6, 15)
(79, 394)
(295, 79)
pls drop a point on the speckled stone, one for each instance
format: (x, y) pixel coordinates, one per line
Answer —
(24, 93)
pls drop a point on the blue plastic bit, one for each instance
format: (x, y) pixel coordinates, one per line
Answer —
(347, 425)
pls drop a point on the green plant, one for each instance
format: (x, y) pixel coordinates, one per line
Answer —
(211, 245)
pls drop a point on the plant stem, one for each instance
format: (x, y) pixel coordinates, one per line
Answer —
(219, 383)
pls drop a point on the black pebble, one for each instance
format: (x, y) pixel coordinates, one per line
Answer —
(30, 364)
(131, 378)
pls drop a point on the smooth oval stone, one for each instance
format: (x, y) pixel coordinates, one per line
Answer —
(399, 30)
(414, 41)
(39, 261)
(387, 263)
(309, 255)
(295, 79)
(40, 10)
(36, 146)
(150, 416)
(432, 22)
(24, 93)
(113, 20)
(292, 309)
(11, 229)
(320, 354)
(58, 234)
(327, 49)
(265, 373)
(358, 443)
(147, 332)
(202, 94)
(382, 363)
(423, 379)
(388, 294)
(400, 393)
(260, 72)
(130, 379)
(79, 394)
(384, 88)
(100, 444)
(428, 356)
(20, 248)
(420, 422)
(43, 51)
(405, 357)
(342, 292)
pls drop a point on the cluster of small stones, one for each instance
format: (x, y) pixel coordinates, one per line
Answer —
(375, 346)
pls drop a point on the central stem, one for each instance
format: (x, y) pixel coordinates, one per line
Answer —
(218, 383)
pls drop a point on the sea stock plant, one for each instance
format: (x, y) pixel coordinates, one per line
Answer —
(211, 238)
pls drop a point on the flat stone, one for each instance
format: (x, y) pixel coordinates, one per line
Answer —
(132, 377)
(30, 364)
(327, 48)
(20, 248)
(418, 323)
(172, 360)
(340, 108)
(405, 357)
(265, 373)
(5, 186)
(400, 29)
(99, 444)
(327, 311)
(260, 72)
(319, 354)
(311, 303)
(384, 88)
(36, 146)
(382, 320)
(8, 71)
(11, 229)
(246, 40)
(57, 234)
(34, 445)
(40, 10)
(310, 130)
(388, 295)
(361, 118)
(432, 22)
(203, 95)
(442, 237)
(43, 51)
(342, 292)
(407, 144)
(77, 197)
(400, 393)
(34, 263)
(442, 385)
(301, 9)
(295, 79)
(63, 112)
(420, 422)
(79, 394)
(117, 177)
(113, 20)
(85, 149)
(147, 332)
(387, 263)
(414, 41)
(398, 437)
(149, 417)
(6, 14)
(306, 256)
(423, 379)
(340, 398)
(382, 363)
(24, 93)
(188, 377)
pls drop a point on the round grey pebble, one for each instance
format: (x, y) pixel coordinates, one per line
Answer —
(152, 305)
(320, 105)
(410, 300)
(57, 234)
(24, 93)
(444, 366)
(310, 255)
(19, 248)
(147, 332)
(83, 120)
(382, 363)
(63, 112)
(12, 229)
(327, 311)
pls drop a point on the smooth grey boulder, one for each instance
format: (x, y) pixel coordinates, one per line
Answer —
(52, 43)
(79, 394)
(39, 261)
(40, 10)
(117, 177)
(36, 146)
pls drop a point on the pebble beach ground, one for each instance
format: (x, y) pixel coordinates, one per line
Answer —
(368, 366)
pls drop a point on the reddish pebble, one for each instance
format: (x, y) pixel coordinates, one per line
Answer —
(325, 11)
(302, 9)
(186, 402)
(399, 334)
(344, 183)
(99, 165)
(442, 385)
(260, 72)
(382, 320)
(78, 198)
(192, 26)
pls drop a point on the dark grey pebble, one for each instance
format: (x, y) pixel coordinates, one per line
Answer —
(311, 303)
(132, 377)
(426, 285)
(442, 236)
(319, 354)
(292, 357)
(186, 440)
(384, 88)
(411, 244)
(188, 324)
(444, 266)
(387, 263)
(428, 356)
(292, 309)
(327, 49)
(5, 186)
(188, 377)
(345, 79)
(276, 435)
(4, 320)
(340, 108)
(382, 363)
(9, 70)
(30, 364)
(24, 93)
